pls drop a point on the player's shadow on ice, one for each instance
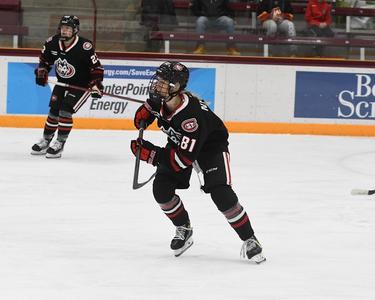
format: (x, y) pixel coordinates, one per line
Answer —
(200, 259)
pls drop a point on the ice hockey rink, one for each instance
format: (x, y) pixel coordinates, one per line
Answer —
(73, 228)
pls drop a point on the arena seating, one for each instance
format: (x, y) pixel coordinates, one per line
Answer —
(299, 7)
(11, 20)
(167, 37)
(248, 33)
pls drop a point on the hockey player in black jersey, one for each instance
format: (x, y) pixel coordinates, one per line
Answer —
(75, 63)
(196, 138)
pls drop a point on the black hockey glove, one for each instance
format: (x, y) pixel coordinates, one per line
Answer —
(41, 76)
(149, 152)
(143, 113)
(154, 101)
(96, 89)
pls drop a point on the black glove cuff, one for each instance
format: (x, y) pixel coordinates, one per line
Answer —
(154, 102)
(161, 156)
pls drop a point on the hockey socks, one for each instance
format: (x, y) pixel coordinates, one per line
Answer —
(50, 126)
(175, 211)
(65, 125)
(238, 219)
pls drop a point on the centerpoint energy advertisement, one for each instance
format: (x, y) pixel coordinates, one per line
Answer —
(25, 97)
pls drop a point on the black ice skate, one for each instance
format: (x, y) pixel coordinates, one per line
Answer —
(252, 249)
(40, 148)
(183, 239)
(55, 150)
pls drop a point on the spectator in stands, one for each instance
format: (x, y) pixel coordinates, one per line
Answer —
(156, 14)
(318, 18)
(357, 22)
(216, 14)
(277, 16)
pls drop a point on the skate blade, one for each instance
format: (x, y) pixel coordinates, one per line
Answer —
(53, 155)
(355, 192)
(43, 152)
(188, 244)
(258, 259)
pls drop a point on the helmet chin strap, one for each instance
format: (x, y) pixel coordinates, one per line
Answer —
(65, 38)
(166, 100)
(171, 95)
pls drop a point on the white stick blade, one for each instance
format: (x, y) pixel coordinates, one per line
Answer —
(359, 192)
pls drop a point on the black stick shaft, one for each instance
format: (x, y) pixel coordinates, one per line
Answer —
(89, 90)
(137, 157)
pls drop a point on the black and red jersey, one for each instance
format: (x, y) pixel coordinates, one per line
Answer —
(76, 64)
(193, 130)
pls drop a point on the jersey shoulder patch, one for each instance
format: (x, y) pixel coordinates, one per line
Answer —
(190, 125)
(87, 46)
(49, 39)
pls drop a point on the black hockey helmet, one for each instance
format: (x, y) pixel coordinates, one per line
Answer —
(71, 21)
(174, 72)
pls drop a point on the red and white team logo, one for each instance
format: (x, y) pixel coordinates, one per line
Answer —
(64, 69)
(178, 67)
(87, 46)
(190, 125)
(53, 98)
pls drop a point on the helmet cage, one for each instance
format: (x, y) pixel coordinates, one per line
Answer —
(161, 88)
(173, 73)
(71, 21)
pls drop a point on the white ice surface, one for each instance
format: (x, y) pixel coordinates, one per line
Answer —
(73, 228)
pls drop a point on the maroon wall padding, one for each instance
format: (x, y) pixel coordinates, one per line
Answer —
(161, 57)
(10, 5)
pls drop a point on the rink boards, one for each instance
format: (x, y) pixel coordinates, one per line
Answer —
(251, 96)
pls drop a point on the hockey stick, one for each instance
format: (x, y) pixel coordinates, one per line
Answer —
(136, 184)
(75, 87)
(362, 192)
(199, 171)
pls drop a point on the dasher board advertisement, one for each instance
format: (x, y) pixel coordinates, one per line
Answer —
(335, 95)
(25, 97)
